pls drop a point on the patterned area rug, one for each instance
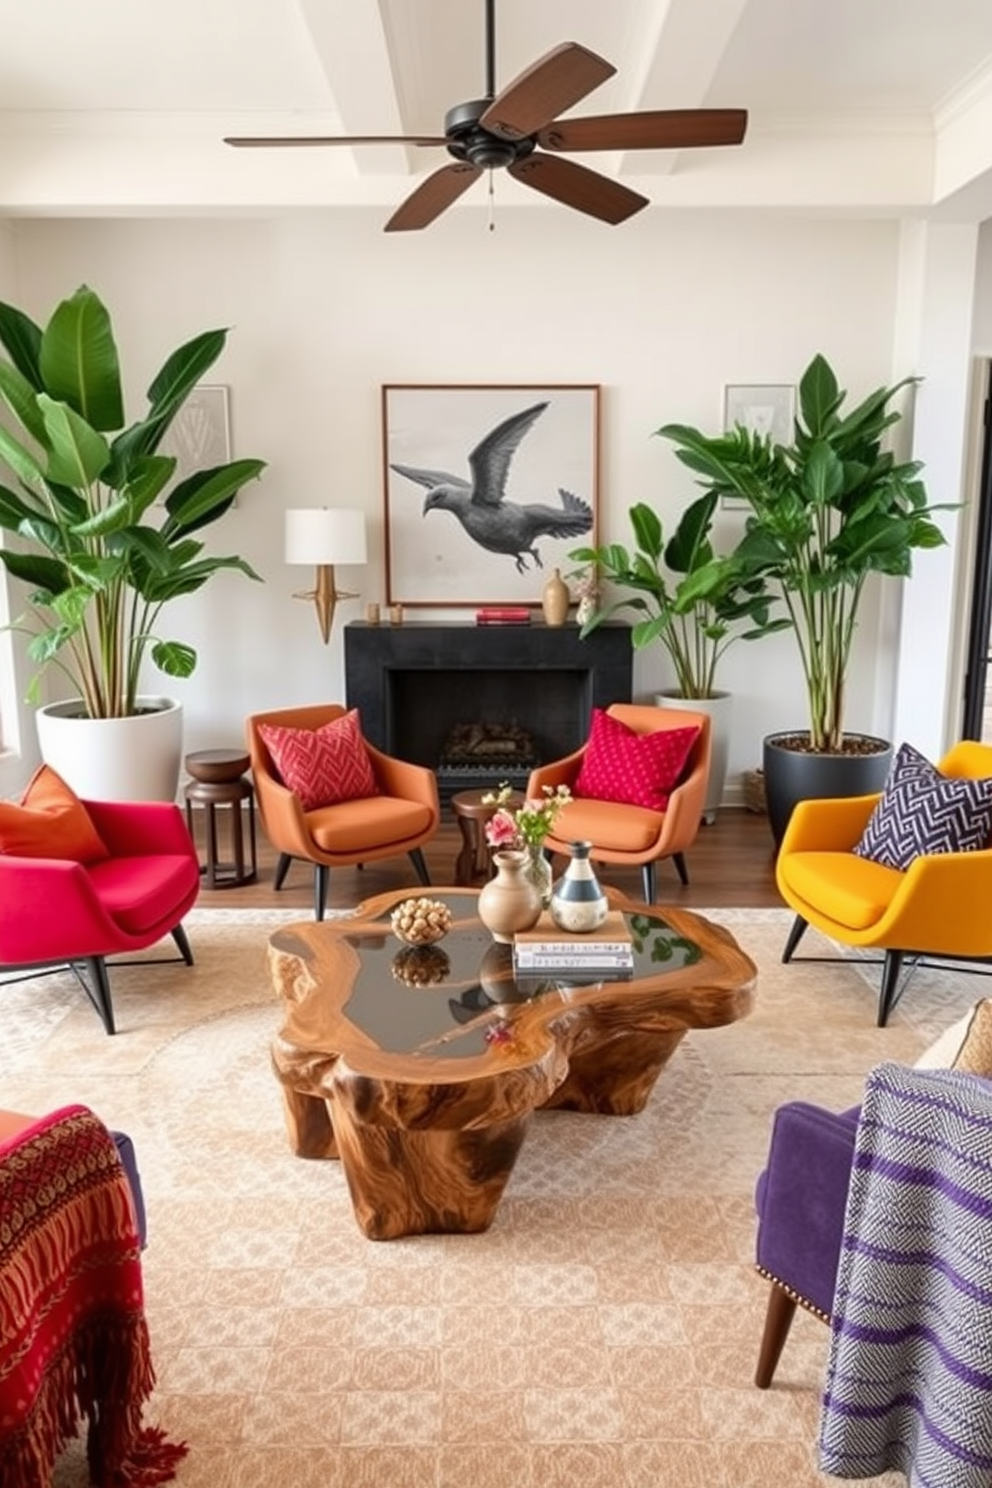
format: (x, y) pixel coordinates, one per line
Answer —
(603, 1332)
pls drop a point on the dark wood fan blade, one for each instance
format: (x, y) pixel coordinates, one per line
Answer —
(556, 82)
(259, 141)
(575, 186)
(432, 196)
(661, 129)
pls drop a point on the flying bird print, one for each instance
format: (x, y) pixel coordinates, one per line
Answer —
(480, 505)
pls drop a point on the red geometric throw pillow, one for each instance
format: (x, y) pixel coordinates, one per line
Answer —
(631, 768)
(323, 765)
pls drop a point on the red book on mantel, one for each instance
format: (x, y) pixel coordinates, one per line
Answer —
(503, 615)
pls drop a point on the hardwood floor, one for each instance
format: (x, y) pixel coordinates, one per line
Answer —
(731, 863)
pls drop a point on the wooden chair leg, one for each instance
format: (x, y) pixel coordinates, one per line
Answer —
(420, 867)
(778, 1321)
(890, 980)
(799, 928)
(282, 868)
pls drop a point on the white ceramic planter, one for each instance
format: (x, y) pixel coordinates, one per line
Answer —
(115, 759)
(719, 708)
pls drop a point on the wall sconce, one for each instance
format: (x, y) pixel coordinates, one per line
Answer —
(324, 536)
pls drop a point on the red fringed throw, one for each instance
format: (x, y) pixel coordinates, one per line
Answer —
(73, 1338)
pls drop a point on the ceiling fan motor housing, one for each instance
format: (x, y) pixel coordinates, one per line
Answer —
(467, 141)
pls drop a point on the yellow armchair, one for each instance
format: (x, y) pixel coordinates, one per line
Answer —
(938, 907)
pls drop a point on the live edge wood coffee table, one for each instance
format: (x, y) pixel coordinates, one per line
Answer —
(421, 1070)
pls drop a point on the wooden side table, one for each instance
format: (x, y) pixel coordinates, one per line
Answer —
(472, 813)
(218, 780)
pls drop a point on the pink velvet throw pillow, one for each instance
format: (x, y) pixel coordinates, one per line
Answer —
(630, 768)
(324, 765)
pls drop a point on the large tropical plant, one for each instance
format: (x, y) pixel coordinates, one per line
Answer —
(691, 600)
(826, 511)
(103, 547)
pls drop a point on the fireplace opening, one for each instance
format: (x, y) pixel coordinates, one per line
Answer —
(481, 728)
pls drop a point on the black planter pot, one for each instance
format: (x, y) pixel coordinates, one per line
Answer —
(792, 775)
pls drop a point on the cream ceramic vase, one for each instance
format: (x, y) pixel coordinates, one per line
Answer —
(510, 901)
(555, 600)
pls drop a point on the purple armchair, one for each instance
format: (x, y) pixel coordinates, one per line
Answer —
(801, 1198)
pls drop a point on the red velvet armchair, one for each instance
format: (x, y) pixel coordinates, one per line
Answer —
(55, 911)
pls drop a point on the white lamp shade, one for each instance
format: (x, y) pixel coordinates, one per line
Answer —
(325, 534)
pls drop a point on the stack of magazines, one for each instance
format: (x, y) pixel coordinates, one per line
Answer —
(548, 950)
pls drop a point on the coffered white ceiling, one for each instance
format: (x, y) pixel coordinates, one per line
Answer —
(115, 106)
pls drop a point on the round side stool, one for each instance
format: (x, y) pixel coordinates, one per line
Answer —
(219, 780)
(472, 813)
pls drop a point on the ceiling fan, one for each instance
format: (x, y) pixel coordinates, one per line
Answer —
(517, 126)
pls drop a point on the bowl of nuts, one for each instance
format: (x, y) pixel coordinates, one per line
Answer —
(420, 921)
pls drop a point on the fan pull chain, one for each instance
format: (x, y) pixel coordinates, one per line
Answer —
(492, 201)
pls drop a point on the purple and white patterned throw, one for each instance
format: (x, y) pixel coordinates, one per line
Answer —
(909, 1379)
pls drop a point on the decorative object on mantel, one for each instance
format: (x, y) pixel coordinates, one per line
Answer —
(578, 903)
(503, 615)
(555, 599)
(324, 536)
(419, 921)
(510, 901)
(587, 589)
(525, 828)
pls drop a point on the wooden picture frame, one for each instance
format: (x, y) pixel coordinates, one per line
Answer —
(442, 548)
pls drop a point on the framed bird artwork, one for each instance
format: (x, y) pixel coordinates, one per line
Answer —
(487, 489)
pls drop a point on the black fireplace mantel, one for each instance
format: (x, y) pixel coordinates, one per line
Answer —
(548, 672)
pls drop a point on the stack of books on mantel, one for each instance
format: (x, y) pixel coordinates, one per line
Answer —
(503, 615)
(548, 949)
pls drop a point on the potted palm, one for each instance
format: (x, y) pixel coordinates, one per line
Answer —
(693, 602)
(825, 512)
(103, 542)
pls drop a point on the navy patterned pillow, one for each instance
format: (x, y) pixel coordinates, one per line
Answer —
(924, 812)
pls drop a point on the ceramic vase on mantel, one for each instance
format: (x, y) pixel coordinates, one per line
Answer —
(578, 904)
(555, 600)
(511, 901)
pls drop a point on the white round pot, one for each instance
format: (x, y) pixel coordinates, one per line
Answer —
(719, 708)
(115, 759)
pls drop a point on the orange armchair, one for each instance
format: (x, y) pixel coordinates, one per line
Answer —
(633, 836)
(939, 906)
(400, 819)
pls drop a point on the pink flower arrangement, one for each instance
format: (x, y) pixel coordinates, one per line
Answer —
(528, 826)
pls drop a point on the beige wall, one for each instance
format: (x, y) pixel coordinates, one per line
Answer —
(324, 308)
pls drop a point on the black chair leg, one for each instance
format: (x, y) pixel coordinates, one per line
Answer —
(799, 928)
(648, 882)
(321, 879)
(282, 868)
(182, 941)
(97, 986)
(680, 868)
(420, 867)
(778, 1321)
(891, 968)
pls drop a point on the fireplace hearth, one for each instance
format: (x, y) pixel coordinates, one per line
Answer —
(482, 704)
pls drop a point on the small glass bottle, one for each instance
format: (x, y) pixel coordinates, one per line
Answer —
(578, 903)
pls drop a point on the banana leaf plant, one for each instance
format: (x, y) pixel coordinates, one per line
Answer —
(825, 512)
(694, 602)
(104, 544)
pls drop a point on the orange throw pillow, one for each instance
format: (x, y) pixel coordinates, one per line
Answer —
(50, 821)
(324, 765)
